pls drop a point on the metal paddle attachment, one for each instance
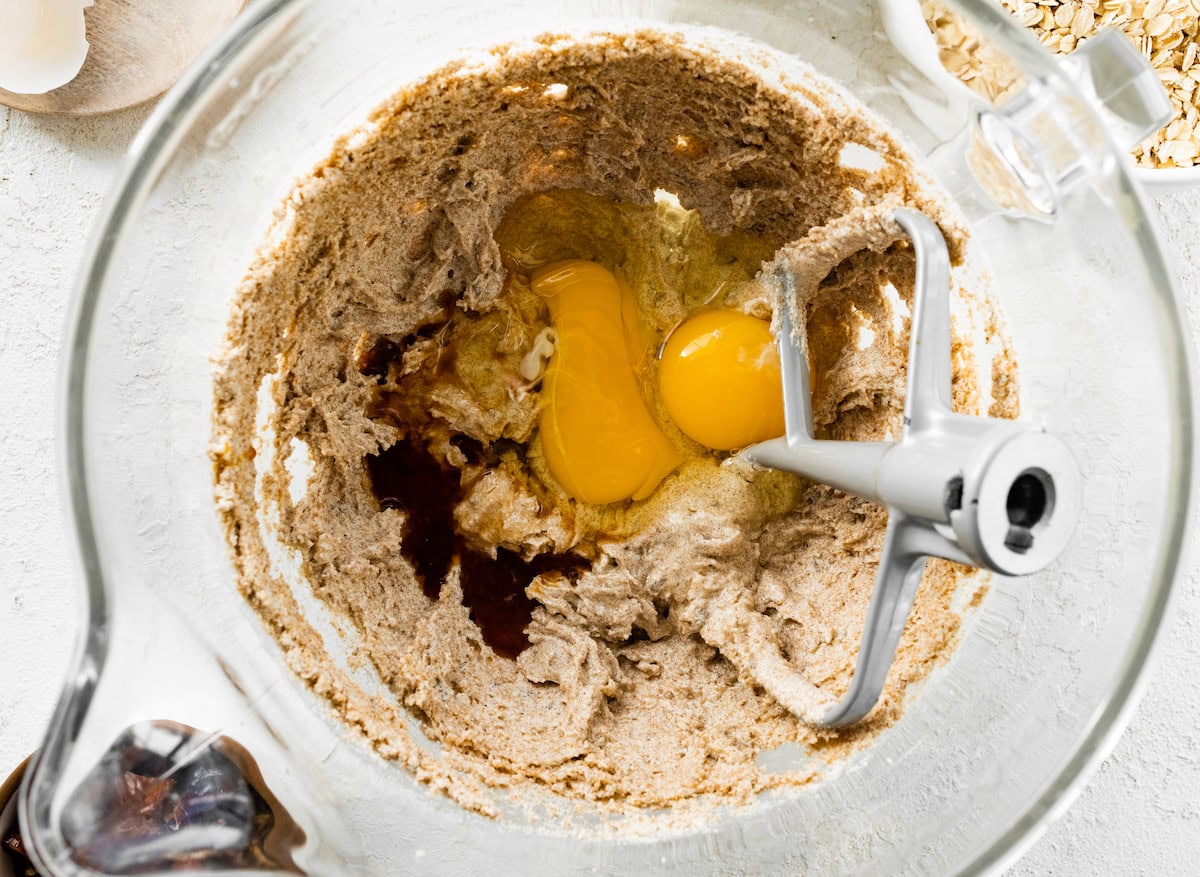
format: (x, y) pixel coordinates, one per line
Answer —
(996, 494)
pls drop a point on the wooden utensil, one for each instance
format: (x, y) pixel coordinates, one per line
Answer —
(138, 49)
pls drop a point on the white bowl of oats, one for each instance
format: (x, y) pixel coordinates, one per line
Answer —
(1166, 32)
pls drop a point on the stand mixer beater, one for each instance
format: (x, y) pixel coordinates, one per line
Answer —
(991, 493)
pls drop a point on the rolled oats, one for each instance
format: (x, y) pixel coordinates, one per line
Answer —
(1166, 32)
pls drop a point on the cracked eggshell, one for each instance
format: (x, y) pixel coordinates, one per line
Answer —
(43, 44)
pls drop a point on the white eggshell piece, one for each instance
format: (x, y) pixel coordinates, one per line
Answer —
(42, 44)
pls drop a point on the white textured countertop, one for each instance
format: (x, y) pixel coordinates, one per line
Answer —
(1139, 814)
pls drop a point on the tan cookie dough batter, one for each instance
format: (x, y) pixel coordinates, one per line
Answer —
(390, 307)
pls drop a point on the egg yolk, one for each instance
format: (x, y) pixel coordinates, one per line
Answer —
(719, 379)
(599, 439)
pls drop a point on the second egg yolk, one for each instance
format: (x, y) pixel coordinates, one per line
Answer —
(599, 439)
(719, 379)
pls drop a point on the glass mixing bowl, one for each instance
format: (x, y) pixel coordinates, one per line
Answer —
(996, 741)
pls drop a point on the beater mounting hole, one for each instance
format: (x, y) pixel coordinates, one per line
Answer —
(1029, 503)
(1026, 500)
